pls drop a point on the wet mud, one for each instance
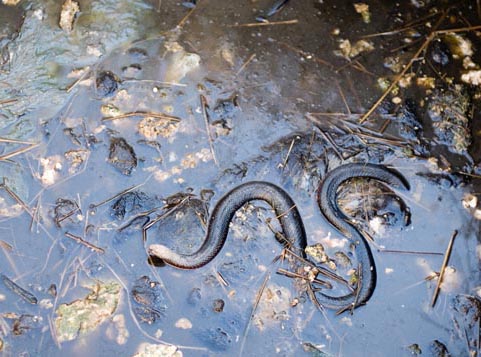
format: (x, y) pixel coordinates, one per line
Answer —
(125, 132)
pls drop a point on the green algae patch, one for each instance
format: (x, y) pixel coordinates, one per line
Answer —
(82, 316)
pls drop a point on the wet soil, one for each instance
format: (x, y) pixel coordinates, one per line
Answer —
(127, 130)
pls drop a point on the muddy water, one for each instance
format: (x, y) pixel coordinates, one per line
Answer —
(254, 88)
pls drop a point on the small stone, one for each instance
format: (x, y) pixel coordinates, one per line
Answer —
(218, 305)
(396, 100)
(183, 324)
(106, 83)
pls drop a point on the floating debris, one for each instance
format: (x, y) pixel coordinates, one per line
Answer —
(26, 295)
(24, 323)
(349, 51)
(10, 2)
(151, 350)
(152, 127)
(472, 77)
(448, 111)
(363, 9)
(183, 323)
(438, 349)
(317, 252)
(414, 349)
(70, 9)
(65, 209)
(81, 317)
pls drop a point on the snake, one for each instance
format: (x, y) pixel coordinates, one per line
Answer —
(294, 234)
(327, 201)
(218, 225)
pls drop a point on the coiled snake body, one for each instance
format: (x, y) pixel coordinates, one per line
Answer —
(292, 226)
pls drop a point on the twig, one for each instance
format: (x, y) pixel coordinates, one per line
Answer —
(163, 215)
(407, 252)
(331, 142)
(203, 103)
(26, 295)
(254, 308)
(143, 114)
(8, 101)
(321, 270)
(184, 19)
(15, 197)
(270, 23)
(459, 29)
(85, 243)
(283, 165)
(291, 274)
(82, 76)
(403, 72)
(15, 141)
(220, 278)
(443, 268)
(18, 152)
(95, 205)
(249, 60)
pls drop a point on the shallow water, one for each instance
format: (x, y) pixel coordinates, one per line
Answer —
(258, 89)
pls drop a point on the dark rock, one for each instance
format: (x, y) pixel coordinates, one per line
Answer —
(122, 156)
(106, 84)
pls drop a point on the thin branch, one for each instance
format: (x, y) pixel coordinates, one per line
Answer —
(443, 268)
(270, 23)
(85, 243)
(143, 114)
(203, 103)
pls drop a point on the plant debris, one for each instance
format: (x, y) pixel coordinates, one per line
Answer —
(152, 350)
(70, 9)
(82, 316)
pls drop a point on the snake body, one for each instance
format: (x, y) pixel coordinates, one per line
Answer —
(218, 225)
(327, 200)
(292, 225)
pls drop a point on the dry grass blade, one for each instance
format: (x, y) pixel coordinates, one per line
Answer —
(95, 205)
(322, 270)
(79, 79)
(253, 311)
(406, 68)
(15, 141)
(17, 152)
(407, 252)
(163, 215)
(291, 274)
(443, 268)
(24, 294)
(270, 23)
(246, 63)
(203, 103)
(8, 101)
(284, 163)
(143, 114)
(15, 197)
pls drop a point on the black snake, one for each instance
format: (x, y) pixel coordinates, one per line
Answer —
(292, 226)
